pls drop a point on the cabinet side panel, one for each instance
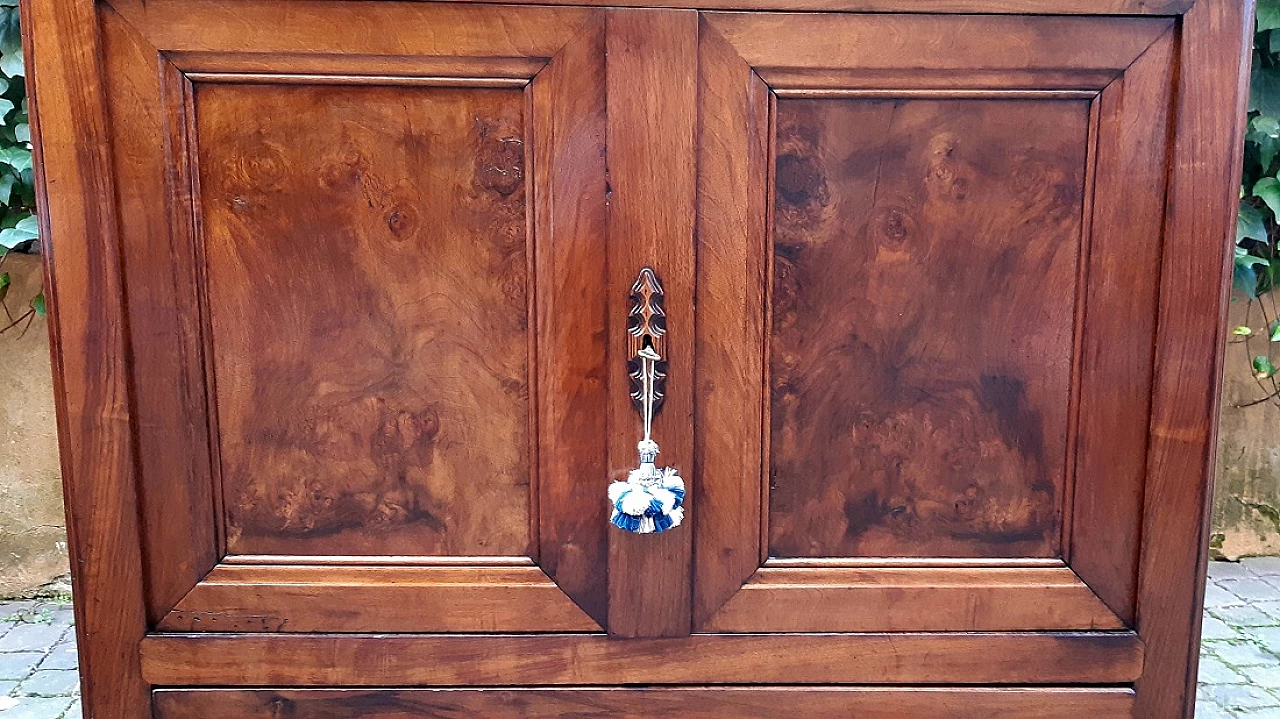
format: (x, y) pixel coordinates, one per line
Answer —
(90, 355)
(1195, 264)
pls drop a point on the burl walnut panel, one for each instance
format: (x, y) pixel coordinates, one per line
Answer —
(366, 288)
(924, 283)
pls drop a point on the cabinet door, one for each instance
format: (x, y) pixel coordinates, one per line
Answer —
(366, 307)
(924, 376)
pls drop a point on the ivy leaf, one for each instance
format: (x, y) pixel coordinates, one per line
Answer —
(27, 229)
(1264, 90)
(1262, 367)
(1242, 331)
(1268, 188)
(11, 63)
(19, 158)
(5, 281)
(1249, 224)
(1245, 273)
(1268, 15)
(1275, 331)
(1265, 125)
(22, 132)
(38, 304)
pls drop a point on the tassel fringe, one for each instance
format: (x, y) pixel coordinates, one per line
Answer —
(649, 501)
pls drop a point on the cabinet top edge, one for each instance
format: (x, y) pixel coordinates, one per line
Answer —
(933, 7)
(958, 7)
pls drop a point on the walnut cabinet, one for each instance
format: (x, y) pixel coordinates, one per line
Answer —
(340, 293)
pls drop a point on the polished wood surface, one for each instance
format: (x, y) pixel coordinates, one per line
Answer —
(914, 375)
(1086, 422)
(1118, 307)
(1195, 268)
(344, 598)
(167, 364)
(560, 659)
(900, 425)
(734, 169)
(652, 63)
(572, 300)
(372, 376)
(912, 599)
(804, 50)
(87, 319)
(694, 703)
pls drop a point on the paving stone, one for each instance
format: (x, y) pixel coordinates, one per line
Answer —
(38, 708)
(13, 609)
(18, 665)
(75, 712)
(7, 688)
(29, 637)
(1213, 671)
(1267, 713)
(1242, 615)
(1262, 566)
(1223, 570)
(1245, 654)
(1268, 637)
(1216, 596)
(1265, 677)
(51, 683)
(1209, 710)
(1236, 696)
(64, 656)
(1214, 628)
(1252, 589)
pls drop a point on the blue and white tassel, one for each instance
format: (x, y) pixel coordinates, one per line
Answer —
(651, 500)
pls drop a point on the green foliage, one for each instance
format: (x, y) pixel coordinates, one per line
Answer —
(1257, 256)
(19, 231)
(1257, 266)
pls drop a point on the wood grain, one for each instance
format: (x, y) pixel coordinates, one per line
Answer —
(554, 659)
(153, 168)
(733, 176)
(367, 288)
(913, 600)
(925, 259)
(1016, 7)
(572, 304)
(340, 28)
(817, 50)
(691, 702)
(1194, 270)
(1114, 388)
(87, 319)
(652, 62)
(377, 599)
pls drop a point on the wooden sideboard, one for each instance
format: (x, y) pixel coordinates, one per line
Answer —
(340, 294)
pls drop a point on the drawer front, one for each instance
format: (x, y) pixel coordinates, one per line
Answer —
(690, 703)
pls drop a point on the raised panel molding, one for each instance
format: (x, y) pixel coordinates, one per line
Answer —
(546, 57)
(749, 65)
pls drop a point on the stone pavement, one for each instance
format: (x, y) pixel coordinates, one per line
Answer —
(1240, 652)
(1239, 660)
(38, 678)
